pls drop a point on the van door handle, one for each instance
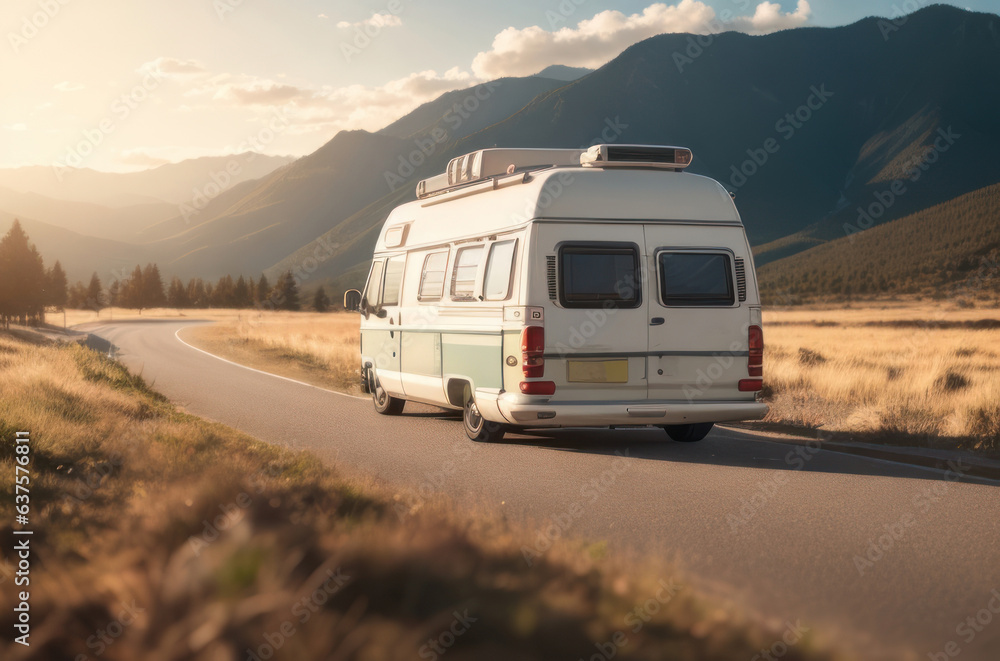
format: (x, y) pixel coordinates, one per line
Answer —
(656, 321)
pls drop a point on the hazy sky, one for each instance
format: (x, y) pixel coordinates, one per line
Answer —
(127, 84)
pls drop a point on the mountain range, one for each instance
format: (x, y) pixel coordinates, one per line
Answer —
(819, 132)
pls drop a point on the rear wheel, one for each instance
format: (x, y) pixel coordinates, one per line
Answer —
(688, 433)
(476, 426)
(384, 403)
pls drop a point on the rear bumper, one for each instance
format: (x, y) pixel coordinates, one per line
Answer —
(517, 409)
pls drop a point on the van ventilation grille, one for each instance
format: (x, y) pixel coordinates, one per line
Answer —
(741, 279)
(550, 271)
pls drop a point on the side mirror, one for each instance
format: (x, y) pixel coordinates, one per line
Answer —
(352, 300)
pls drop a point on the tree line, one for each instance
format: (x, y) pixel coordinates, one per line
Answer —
(27, 288)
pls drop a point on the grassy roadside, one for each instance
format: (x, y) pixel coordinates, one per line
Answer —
(906, 373)
(161, 536)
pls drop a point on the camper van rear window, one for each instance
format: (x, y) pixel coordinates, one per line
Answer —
(689, 279)
(599, 275)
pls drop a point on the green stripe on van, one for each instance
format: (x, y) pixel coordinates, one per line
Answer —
(479, 357)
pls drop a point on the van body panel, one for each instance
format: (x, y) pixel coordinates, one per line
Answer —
(620, 348)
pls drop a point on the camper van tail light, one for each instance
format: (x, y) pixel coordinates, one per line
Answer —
(538, 387)
(532, 349)
(755, 362)
(749, 385)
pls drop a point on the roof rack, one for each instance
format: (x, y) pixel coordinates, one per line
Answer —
(487, 164)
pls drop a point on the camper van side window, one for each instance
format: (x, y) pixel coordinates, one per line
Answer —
(496, 284)
(393, 280)
(599, 275)
(689, 279)
(463, 277)
(373, 290)
(432, 277)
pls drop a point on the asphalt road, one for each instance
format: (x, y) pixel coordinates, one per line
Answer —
(787, 534)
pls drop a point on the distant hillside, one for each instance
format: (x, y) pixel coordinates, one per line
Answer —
(174, 183)
(878, 107)
(463, 112)
(562, 72)
(79, 255)
(115, 223)
(806, 126)
(953, 246)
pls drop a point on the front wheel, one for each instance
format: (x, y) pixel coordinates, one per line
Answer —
(688, 433)
(476, 426)
(385, 403)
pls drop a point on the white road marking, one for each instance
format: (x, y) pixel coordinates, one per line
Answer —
(277, 376)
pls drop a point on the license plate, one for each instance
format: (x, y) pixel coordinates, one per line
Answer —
(597, 371)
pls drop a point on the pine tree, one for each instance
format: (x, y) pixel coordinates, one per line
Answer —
(152, 287)
(242, 296)
(263, 290)
(177, 296)
(286, 293)
(222, 295)
(22, 278)
(115, 294)
(321, 302)
(77, 296)
(56, 286)
(95, 294)
(197, 296)
(132, 291)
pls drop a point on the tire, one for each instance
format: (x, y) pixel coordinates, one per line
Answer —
(385, 403)
(477, 427)
(688, 433)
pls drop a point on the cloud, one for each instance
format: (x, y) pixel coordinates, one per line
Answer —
(768, 18)
(66, 86)
(378, 20)
(171, 66)
(593, 42)
(262, 92)
(16, 127)
(322, 16)
(324, 108)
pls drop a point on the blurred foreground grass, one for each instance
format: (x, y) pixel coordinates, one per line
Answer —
(161, 536)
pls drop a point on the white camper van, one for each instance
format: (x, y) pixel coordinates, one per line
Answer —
(565, 288)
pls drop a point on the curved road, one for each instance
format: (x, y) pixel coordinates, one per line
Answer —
(785, 532)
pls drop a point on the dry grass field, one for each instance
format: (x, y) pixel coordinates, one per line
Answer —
(910, 373)
(161, 536)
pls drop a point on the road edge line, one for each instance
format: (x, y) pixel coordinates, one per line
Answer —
(253, 369)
